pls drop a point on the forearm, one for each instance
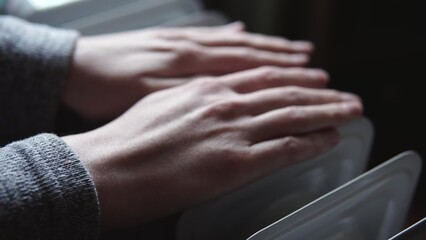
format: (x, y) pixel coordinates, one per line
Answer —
(34, 61)
(45, 192)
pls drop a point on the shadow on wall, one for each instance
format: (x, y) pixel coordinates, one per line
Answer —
(375, 49)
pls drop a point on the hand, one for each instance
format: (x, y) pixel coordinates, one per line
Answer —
(184, 145)
(109, 73)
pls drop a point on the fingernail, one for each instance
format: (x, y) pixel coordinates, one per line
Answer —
(303, 45)
(354, 107)
(237, 25)
(318, 73)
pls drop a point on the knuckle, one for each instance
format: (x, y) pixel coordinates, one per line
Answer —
(292, 145)
(248, 53)
(296, 115)
(237, 158)
(208, 85)
(224, 109)
(185, 51)
(187, 48)
(293, 93)
(268, 72)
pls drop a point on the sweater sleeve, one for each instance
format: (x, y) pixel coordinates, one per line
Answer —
(34, 62)
(45, 192)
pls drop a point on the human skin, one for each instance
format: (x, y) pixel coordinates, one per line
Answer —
(109, 73)
(181, 146)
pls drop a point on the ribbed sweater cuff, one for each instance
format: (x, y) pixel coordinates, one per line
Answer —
(46, 192)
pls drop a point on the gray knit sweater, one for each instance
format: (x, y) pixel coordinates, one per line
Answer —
(45, 191)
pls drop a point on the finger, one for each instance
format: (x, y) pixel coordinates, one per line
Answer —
(184, 33)
(275, 98)
(236, 26)
(274, 154)
(232, 59)
(257, 41)
(302, 119)
(270, 77)
(191, 58)
(229, 35)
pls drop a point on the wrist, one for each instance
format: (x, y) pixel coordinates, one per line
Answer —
(91, 154)
(77, 83)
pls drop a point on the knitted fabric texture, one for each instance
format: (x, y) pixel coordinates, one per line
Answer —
(45, 191)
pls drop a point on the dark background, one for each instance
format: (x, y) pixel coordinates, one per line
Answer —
(374, 48)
